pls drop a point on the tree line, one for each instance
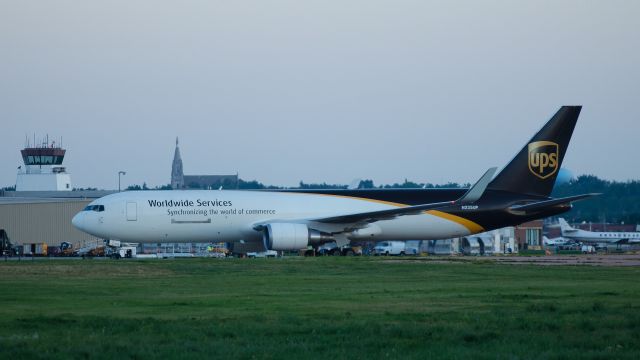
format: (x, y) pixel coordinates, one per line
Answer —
(619, 201)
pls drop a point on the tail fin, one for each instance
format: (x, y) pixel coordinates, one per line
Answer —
(534, 169)
(564, 225)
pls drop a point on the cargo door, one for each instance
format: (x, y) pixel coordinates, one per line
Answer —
(132, 211)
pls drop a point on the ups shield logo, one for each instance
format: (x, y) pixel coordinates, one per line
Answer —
(543, 158)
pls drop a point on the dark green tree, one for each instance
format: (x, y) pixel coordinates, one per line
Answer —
(618, 202)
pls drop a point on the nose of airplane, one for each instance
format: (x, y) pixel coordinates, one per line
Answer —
(77, 221)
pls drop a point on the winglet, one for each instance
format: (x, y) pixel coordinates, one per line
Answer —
(355, 184)
(475, 192)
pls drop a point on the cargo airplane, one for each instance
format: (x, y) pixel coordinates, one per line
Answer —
(295, 219)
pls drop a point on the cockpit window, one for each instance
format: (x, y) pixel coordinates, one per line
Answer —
(94, 208)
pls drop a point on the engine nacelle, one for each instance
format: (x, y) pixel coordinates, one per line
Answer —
(283, 236)
(288, 236)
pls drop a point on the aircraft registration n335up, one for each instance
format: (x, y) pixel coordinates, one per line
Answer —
(295, 219)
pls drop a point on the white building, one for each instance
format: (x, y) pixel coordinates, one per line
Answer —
(41, 170)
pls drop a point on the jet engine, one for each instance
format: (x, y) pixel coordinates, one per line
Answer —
(288, 236)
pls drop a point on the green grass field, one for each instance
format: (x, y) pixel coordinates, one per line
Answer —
(330, 307)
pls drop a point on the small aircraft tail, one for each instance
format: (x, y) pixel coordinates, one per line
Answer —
(564, 226)
(534, 169)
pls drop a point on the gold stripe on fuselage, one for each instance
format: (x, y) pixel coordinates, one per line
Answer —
(470, 225)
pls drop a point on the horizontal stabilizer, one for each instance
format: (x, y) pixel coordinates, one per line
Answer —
(541, 205)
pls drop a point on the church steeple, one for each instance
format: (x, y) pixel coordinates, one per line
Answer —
(177, 174)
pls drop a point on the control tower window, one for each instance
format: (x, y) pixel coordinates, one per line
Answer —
(43, 156)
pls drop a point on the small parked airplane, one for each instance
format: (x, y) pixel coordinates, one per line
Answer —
(558, 241)
(597, 237)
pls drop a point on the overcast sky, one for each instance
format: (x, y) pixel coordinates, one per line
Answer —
(319, 91)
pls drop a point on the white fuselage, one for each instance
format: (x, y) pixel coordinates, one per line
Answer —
(595, 237)
(231, 216)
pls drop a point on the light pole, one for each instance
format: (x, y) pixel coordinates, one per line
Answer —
(120, 173)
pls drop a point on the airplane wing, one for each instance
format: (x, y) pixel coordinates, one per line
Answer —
(471, 196)
(373, 216)
(357, 220)
(546, 203)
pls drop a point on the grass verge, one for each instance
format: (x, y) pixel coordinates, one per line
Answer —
(316, 307)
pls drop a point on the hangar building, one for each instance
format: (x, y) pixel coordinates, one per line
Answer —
(44, 217)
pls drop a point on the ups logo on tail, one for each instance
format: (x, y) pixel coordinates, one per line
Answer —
(543, 158)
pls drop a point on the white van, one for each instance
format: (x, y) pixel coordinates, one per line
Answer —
(588, 249)
(389, 248)
(263, 254)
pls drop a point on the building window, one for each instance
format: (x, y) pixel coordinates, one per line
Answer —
(533, 237)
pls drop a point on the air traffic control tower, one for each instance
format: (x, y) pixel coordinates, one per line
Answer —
(41, 170)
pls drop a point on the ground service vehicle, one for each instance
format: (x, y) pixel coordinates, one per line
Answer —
(389, 248)
(588, 249)
(37, 249)
(6, 249)
(261, 254)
